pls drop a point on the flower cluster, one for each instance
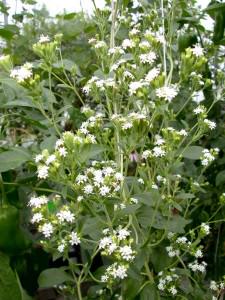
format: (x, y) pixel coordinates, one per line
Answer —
(66, 146)
(209, 156)
(181, 244)
(118, 246)
(92, 123)
(23, 73)
(168, 282)
(217, 288)
(55, 221)
(167, 93)
(99, 179)
(132, 120)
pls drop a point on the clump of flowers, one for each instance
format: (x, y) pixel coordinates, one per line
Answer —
(217, 288)
(56, 222)
(100, 179)
(168, 282)
(118, 246)
(208, 156)
(23, 73)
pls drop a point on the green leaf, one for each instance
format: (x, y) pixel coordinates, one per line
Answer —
(89, 151)
(145, 215)
(193, 152)
(93, 228)
(148, 198)
(149, 292)
(48, 96)
(131, 288)
(175, 224)
(24, 294)
(13, 159)
(53, 276)
(214, 8)
(220, 178)
(128, 210)
(159, 258)
(67, 64)
(19, 102)
(49, 143)
(9, 288)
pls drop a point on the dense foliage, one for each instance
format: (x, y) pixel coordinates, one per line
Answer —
(112, 153)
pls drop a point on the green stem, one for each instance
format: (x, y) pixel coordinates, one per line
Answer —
(3, 198)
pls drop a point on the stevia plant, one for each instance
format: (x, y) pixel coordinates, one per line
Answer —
(123, 188)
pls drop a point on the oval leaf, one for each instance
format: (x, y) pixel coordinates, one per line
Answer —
(54, 276)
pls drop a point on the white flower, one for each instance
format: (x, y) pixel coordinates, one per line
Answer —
(213, 286)
(80, 198)
(114, 50)
(105, 231)
(88, 189)
(167, 92)
(210, 124)
(195, 266)
(81, 179)
(65, 215)
(47, 229)
(146, 154)
(111, 248)
(37, 218)
(155, 186)
(59, 143)
(37, 202)
(181, 240)
(50, 159)
(108, 171)
(126, 253)
(148, 57)
(161, 286)
(198, 253)
(122, 234)
(144, 44)
(182, 132)
(199, 110)
(172, 252)
(205, 228)
(152, 74)
(62, 151)
(98, 177)
(22, 73)
(104, 190)
(197, 51)
(198, 96)
(141, 181)
(91, 138)
(169, 278)
(173, 290)
(119, 176)
(44, 39)
(158, 152)
(104, 278)
(61, 248)
(106, 241)
(100, 44)
(74, 239)
(159, 140)
(38, 158)
(43, 172)
(127, 125)
(134, 86)
(120, 272)
(127, 74)
(127, 44)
